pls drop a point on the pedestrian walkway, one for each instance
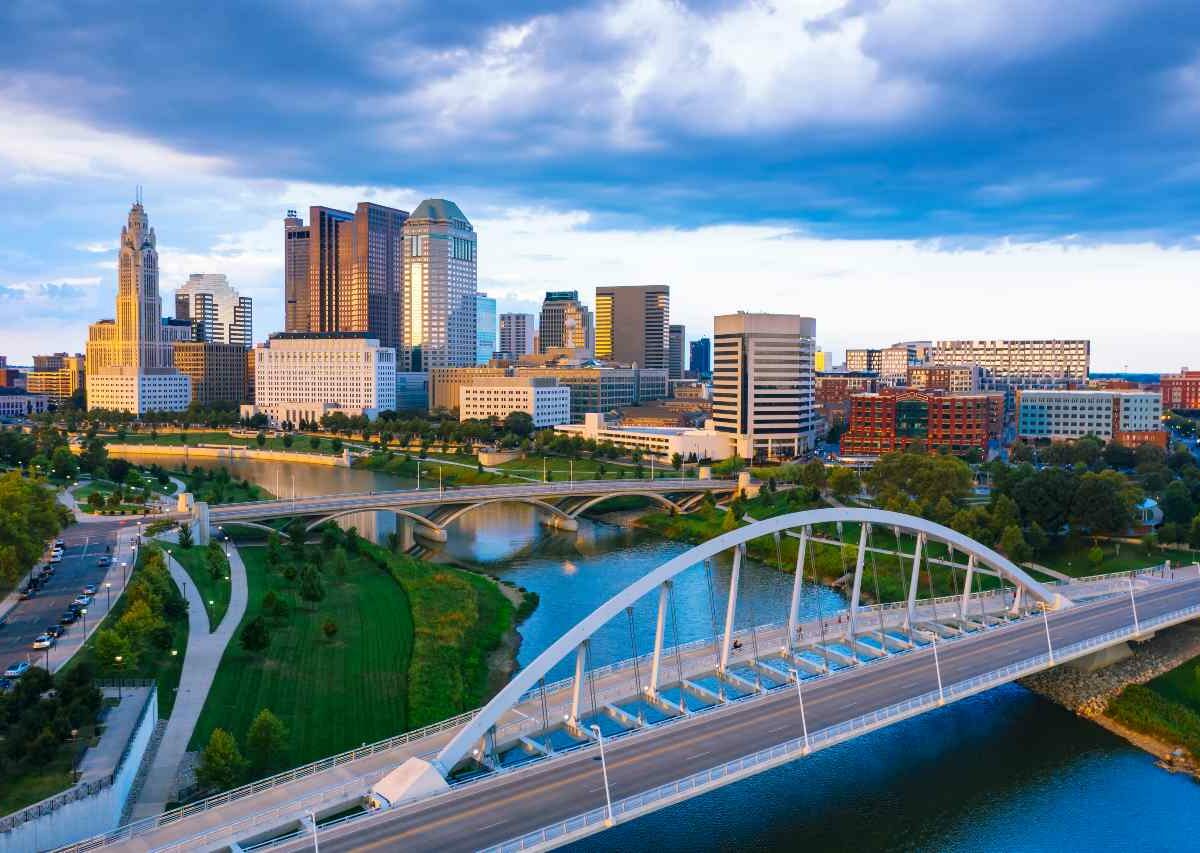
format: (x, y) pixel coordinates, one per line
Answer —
(1048, 572)
(204, 652)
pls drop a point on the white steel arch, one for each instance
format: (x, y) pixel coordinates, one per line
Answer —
(568, 644)
(459, 512)
(658, 498)
(403, 513)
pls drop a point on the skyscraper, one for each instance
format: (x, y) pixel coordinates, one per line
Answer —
(763, 384)
(566, 323)
(700, 358)
(343, 272)
(516, 335)
(440, 283)
(675, 353)
(129, 365)
(220, 315)
(633, 323)
(485, 328)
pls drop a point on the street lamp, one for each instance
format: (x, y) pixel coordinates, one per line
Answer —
(803, 719)
(313, 818)
(108, 589)
(118, 659)
(604, 769)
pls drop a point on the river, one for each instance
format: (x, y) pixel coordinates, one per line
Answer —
(1001, 771)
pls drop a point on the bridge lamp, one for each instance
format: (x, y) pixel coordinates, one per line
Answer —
(604, 769)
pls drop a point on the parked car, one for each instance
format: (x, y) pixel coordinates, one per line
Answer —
(90, 589)
(82, 600)
(28, 592)
(69, 617)
(59, 543)
(104, 562)
(56, 558)
(43, 641)
(55, 631)
(17, 669)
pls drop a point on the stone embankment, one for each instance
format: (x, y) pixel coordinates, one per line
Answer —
(1088, 693)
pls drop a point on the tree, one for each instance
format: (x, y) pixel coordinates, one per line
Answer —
(1194, 533)
(221, 762)
(844, 482)
(312, 589)
(813, 474)
(62, 463)
(214, 559)
(519, 424)
(1095, 556)
(729, 522)
(185, 535)
(1013, 544)
(329, 628)
(260, 439)
(341, 565)
(274, 550)
(676, 461)
(265, 741)
(1037, 538)
(336, 445)
(288, 439)
(112, 644)
(1177, 504)
(256, 636)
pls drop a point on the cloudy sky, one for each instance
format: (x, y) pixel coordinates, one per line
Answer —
(899, 170)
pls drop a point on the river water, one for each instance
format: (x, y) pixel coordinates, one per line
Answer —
(1002, 771)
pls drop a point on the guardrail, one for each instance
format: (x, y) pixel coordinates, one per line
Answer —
(663, 795)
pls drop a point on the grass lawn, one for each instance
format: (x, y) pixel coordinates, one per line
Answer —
(162, 666)
(214, 591)
(331, 694)
(1167, 707)
(1071, 557)
(55, 776)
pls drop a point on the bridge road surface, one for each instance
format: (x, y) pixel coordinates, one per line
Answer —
(83, 545)
(492, 812)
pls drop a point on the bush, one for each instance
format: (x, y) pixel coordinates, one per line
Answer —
(329, 628)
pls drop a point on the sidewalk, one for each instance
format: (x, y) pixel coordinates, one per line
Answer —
(204, 652)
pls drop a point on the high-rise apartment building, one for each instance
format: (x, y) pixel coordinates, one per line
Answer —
(633, 325)
(1020, 359)
(343, 271)
(864, 360)
(485, 328)
(566, 323)
(516, 335)
(219, 314)
(678, 338)
(217, 370)
(129, 364)
(58, 376)
(700, 358)
(947, 377)
(893, 364)
(763, 384)
(440, 284)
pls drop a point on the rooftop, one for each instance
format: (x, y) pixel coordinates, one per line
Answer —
(440, 210)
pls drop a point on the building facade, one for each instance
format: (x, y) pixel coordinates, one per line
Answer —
(1129, 418)
(516, 335)
(946, 377)
(440, 285)
(17, 403)
(864, 360)
(58, 376)
(446, 382)
(894, 363)
(1181, 391)
(662, 443)
(217, 371)
(633, 325)
(700, 358)
(540, 397)
(218, 313)
(832, 392)
(485, 328)
(675, 350)
(565, 324)
(891, 420)
(302, 377)
(763, 384)
(296, 242)
(1020, 359)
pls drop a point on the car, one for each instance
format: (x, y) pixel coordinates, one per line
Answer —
(90, 589)
(43, 641)
(104, 562)
(55, 631)
(17, 669)
(28, 592)
(69, 617)
(82, 600)
(58, 543)
(57, 558)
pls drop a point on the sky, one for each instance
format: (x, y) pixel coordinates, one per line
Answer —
(912, 169)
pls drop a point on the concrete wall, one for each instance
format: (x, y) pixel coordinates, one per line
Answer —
(229, 451)
(492, 458)
(89, 815)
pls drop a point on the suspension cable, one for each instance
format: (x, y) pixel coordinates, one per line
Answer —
(675, 637)
(820, 609)
(712, 610)
(903, 580)
(545, 713)
(878, 597)
(637, 671)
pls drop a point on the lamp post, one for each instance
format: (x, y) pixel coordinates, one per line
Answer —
(108, 589)
(604, 769)
(83, 613)
(118, 659)
(803, 719)
(124, 580)
(1133, 604)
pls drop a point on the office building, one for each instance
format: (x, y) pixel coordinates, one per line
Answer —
(894, 363)
(540, 397)
(763, 384)
(1181, 391)
(700, 358)
(176, 331)
(946, 377)
(864, 360)
(218, 313)
(440, 284)
(832, 393)
(129, 363)
(217, 371)
(662, 443)
(677, 342)
(18, 403)
(516, 335)
(633, 325)
(565, 324)
(12, 377)
(1129, 418)
(822, 361)
(445, 383)
(58, 376)
(919, 352)
(412, 392)
(343, 271)
(485, 328)
(303, 377)
(895, 419)
(1030, 360)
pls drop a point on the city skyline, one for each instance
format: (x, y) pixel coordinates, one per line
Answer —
(901, 165)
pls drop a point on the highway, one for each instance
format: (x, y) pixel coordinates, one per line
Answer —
(83, 545)
(497, 810)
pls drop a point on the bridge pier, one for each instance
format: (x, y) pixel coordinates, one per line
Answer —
(201, 526)
(431, 534)
(559, 523)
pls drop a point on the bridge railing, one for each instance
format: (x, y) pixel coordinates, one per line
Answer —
(664, 795)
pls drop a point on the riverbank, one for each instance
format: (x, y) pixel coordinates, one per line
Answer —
(229, 452)
(1116, 699)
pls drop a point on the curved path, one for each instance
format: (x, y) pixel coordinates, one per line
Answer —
(204, 652)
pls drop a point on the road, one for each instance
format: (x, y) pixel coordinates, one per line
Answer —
(498, 810)
(83, 544)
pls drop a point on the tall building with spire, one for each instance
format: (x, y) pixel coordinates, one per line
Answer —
(129, 364)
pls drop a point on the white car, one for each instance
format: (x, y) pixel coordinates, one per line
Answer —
(43, 641)
(83, 600)
(17, 669)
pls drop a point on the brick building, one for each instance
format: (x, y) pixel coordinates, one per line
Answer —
(1181, 391)
(834, 390)
(891, 420)
(959, 378)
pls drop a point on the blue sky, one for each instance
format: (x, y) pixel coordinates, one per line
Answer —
(900, 170)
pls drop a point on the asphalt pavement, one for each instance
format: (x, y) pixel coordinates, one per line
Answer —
(83, 545)
(497, 810)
